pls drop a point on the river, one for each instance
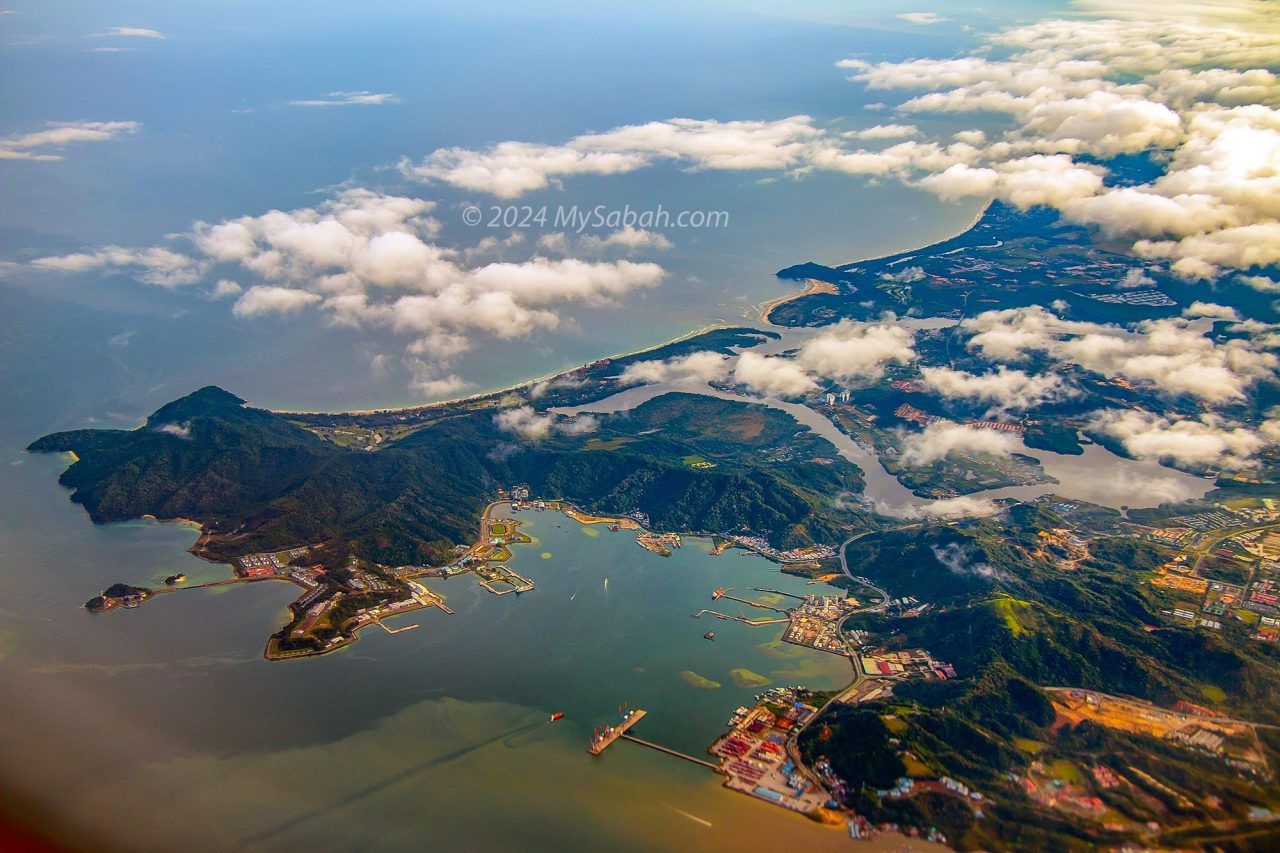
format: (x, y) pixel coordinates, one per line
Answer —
(1098, 475)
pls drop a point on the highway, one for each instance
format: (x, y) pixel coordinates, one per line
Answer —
(793, 750)
(844, 567)
(1213, 538)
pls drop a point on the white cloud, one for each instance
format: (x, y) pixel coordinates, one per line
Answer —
(348, 99)
(225, 289)
(906, 275)
(921, 17)
(885, 131)
(268, 299)
(156, 265)
(1206, 441)
(962, 559)
(1261, 283)
(436, 386)
(941, 438)
(1269, 429)
(540, 281)
(130, 32)
(697, 368)
(635, 238)
(844, 352)
(540, 388)
(371, 260)
(1211, 310)
(628, 240)
(57, 135)
(1173, 355)
(1004, 388)
(530, 424)
(848, 350)
(1134, 279)
(1196, 87)
(182, 431)
(961, 507)
(772, 376)
(510, 169)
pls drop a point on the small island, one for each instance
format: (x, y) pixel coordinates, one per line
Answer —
(117, 595)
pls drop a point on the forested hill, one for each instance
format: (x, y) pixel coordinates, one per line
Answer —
(257, 480)
(1014, 621)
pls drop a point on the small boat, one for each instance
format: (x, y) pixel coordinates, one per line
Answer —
(557, 715)
(710, 635)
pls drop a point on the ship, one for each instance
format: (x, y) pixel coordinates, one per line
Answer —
(557, 715)
(710, 635)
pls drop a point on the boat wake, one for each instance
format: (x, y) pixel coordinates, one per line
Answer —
(694, 818)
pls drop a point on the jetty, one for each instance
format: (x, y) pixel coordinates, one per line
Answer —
(743, 619)
(604, 736)
(778, 592)
(751, 603)
(670, 751)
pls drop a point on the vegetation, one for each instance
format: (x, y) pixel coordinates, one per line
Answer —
(1013, 623)
(857, 745)
(259, 481)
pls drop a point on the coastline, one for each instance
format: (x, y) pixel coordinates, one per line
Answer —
(765, 309)
(811, 286)
(977, 217)
(480, 395)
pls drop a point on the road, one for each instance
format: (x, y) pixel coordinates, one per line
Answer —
(844, 567)
(793, 750)
(1215, 537)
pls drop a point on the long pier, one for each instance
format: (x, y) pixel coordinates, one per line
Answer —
(670, 751)
(603, 741)
(751, 603)
(743, 619)
(223, 582)
(778, 592)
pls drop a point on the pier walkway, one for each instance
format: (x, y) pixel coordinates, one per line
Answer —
(670, 751)
(606, 736)
(743, 619)
(778, 592)
(751, 603)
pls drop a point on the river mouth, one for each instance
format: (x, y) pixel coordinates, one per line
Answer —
(1097, 476)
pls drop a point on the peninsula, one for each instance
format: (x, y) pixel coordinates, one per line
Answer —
(1037, 670)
